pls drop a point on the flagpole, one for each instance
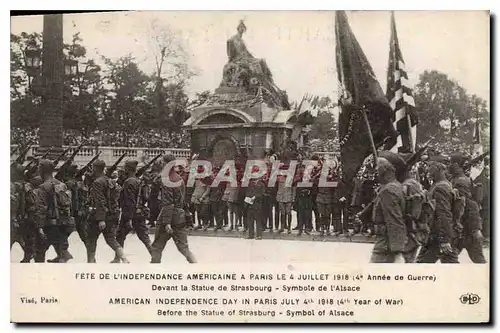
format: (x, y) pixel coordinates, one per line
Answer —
(372, 142)
(410, 135)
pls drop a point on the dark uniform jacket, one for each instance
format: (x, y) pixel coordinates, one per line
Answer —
(104, 199)
(172, 201)
(129, 196)
(471, 219)
(442, 228)
(388, 219)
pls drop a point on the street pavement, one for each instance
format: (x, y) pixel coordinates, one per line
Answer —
(234, 250)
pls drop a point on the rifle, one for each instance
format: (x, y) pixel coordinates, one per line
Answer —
(30, 169)
(58, 159)
(143, 169)
(82, 171)
(22, 154)
(68, 161)
(475, 160)
(409, 164)
(112, 168)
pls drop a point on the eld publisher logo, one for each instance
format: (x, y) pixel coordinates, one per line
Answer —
(470, 299)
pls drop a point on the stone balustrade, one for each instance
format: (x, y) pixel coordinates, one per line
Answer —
(110, 154)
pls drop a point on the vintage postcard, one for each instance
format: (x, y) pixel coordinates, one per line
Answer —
(250, 167)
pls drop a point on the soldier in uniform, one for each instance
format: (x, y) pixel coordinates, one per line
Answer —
(53, 216)
(33, 241)
(154, 195)
(18, 210)
(171, 221)
(471, 220)
(78, 202)
(388, 210)
(216, 203)
(443, 237)
(132, 205)
(105, 212)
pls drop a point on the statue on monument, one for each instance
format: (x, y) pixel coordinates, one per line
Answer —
(244, 70)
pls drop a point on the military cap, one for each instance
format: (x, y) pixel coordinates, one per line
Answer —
(459, 158)
(99, 164)
(168, 158)
(157, 166)
(46, 166)
(131, 164)
(439, 159)
(397, 161)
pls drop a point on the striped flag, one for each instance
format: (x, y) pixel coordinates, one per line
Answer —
(400, 96)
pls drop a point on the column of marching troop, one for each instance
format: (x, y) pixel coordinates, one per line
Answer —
(413, 216)
(47, 208)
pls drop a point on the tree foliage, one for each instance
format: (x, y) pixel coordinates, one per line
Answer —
(447, 113)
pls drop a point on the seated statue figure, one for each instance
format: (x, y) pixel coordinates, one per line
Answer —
(244, 70)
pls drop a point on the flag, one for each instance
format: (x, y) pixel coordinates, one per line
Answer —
(400, 96)
(361, 92)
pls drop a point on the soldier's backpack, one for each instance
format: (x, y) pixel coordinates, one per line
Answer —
(60, 205)
(419, 214)
(113, 196)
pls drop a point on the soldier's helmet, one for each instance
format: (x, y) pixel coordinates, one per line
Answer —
(99, 164)
(459, 159)
(45, 166)
(131, 165)
(397, 161)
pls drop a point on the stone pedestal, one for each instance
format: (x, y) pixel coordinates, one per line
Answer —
(51, 128)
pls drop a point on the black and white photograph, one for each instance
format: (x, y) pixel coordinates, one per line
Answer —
(151, 141)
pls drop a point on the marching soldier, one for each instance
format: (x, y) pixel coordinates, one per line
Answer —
(18, 210)
(33, 240)
(324, 199)
(444, 235)
(78, 201)
(471, 219)
(104, 213)
(388, 210)
(53, 213)
(133, 208)
(154, 195)
(171, 220)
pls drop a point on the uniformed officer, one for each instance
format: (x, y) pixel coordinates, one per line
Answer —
(133, 206)
(443, 237)
(104, 213)
(388, 210)
(171, 221)
(78, 202)
(471, 220)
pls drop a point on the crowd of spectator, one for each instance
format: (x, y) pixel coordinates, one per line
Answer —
(148, 139)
